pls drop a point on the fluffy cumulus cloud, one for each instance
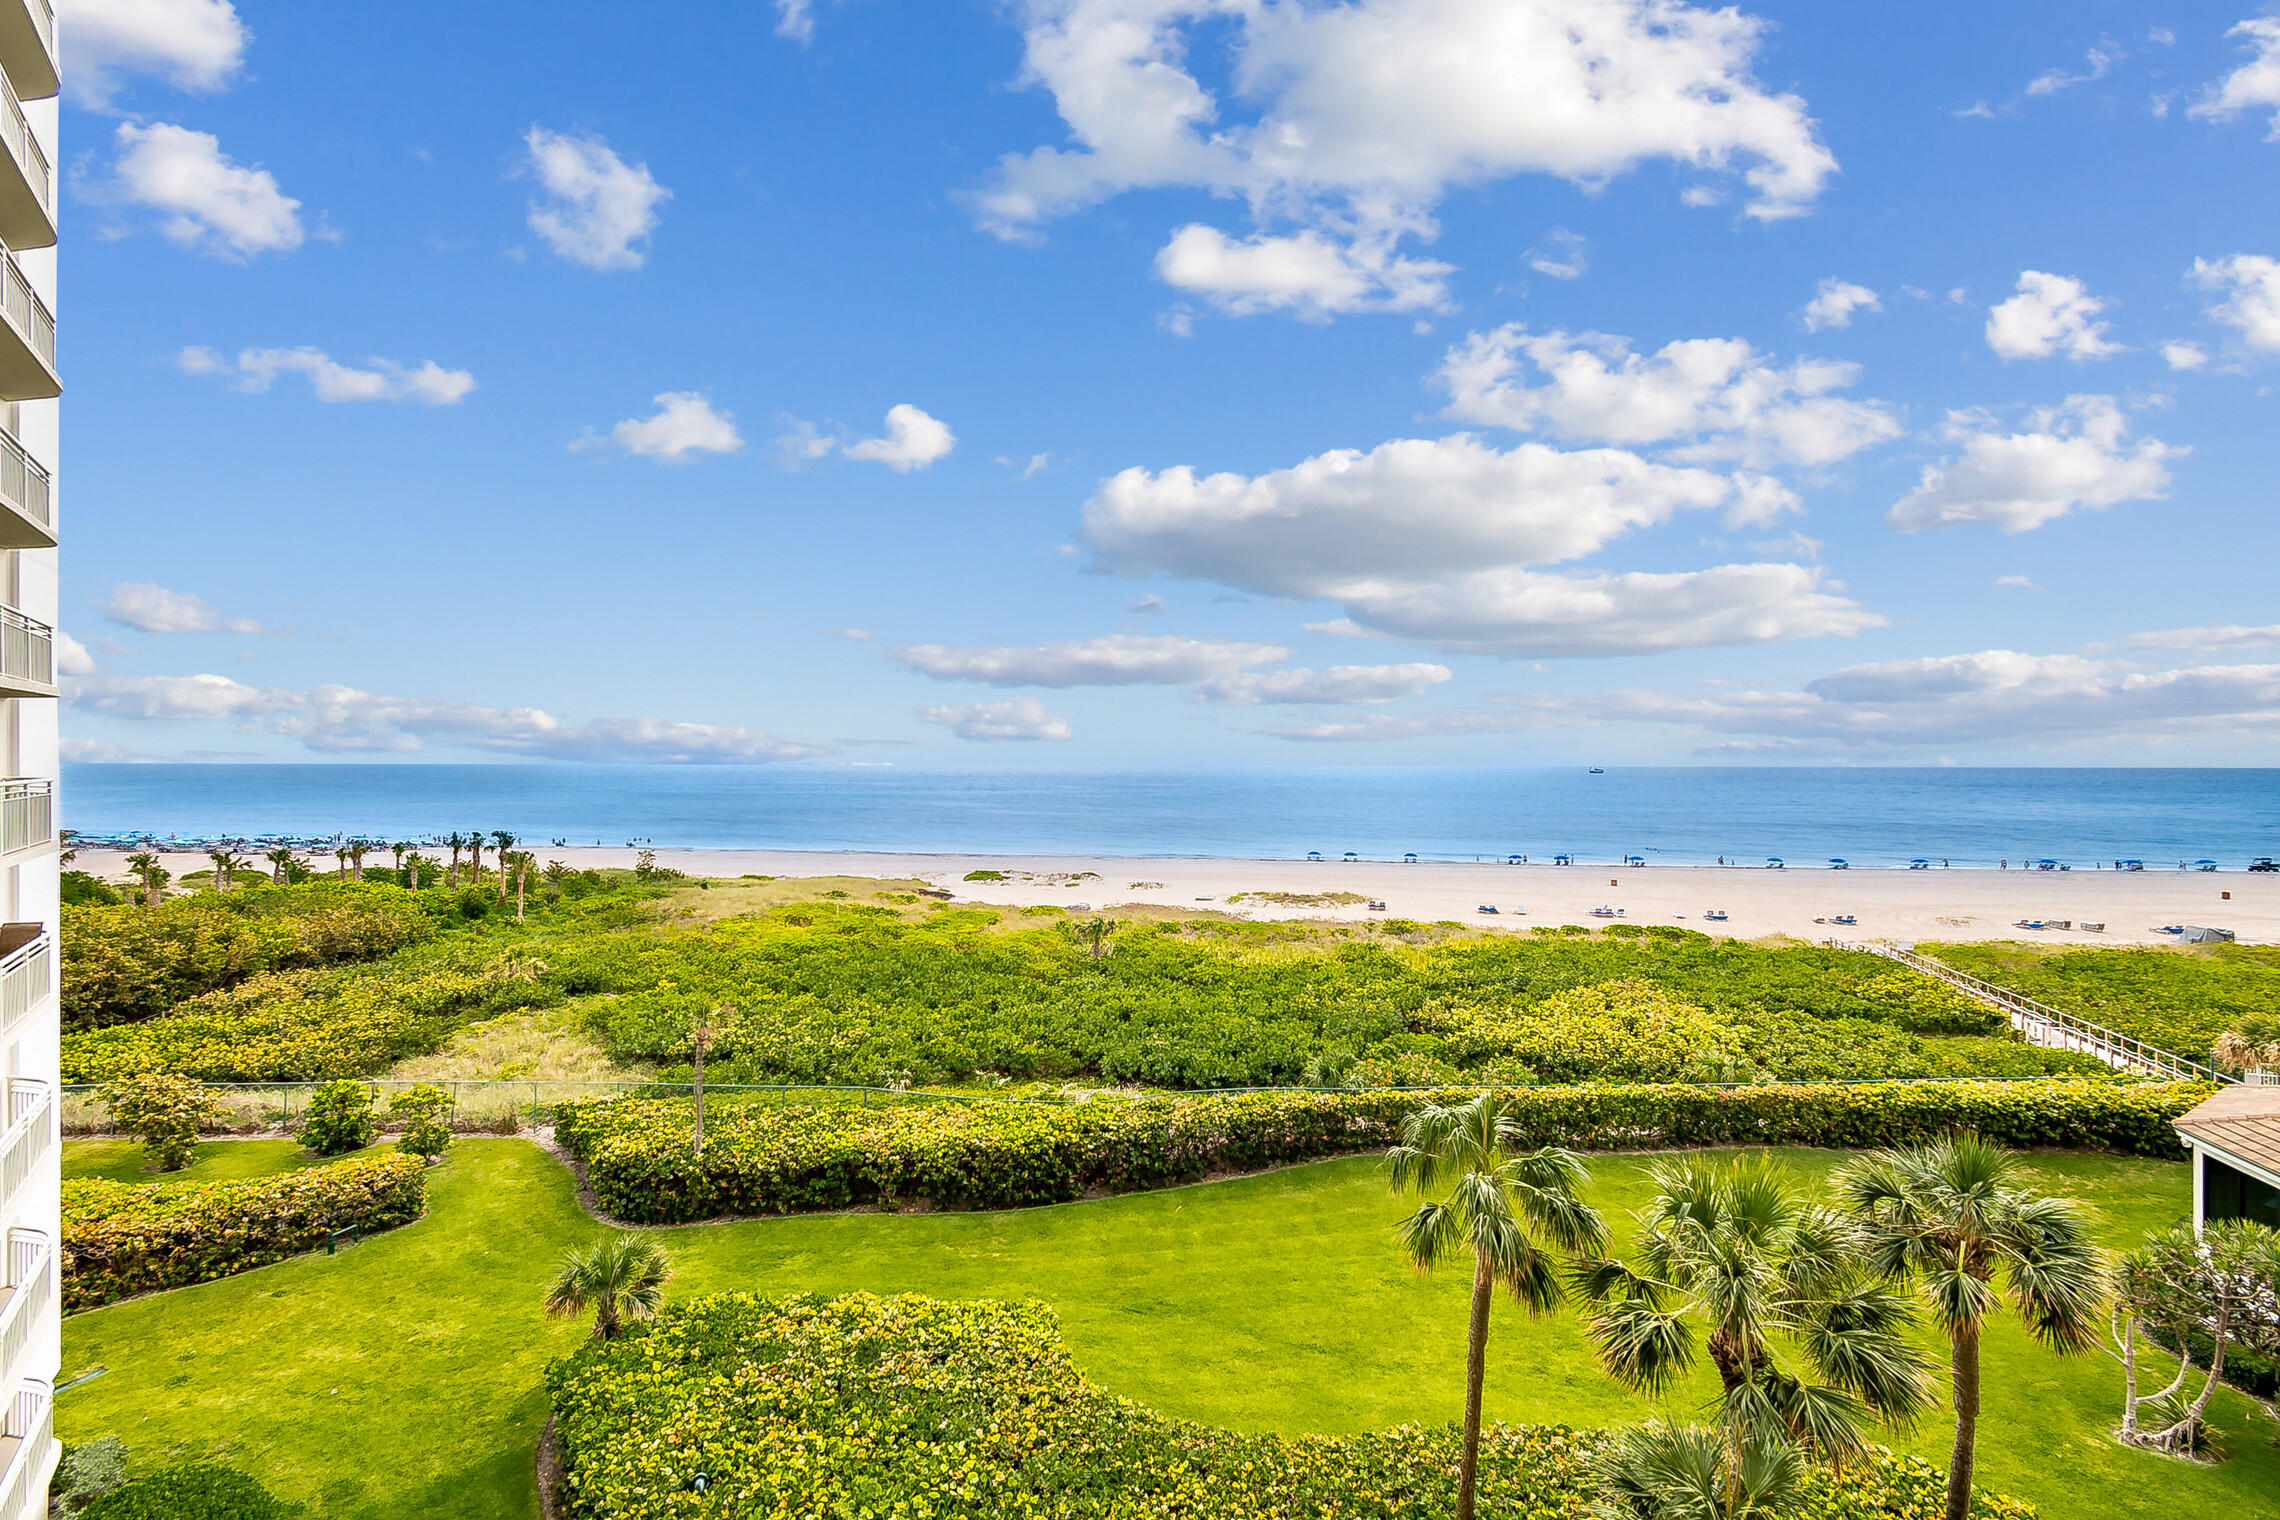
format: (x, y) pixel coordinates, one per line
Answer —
(204, 201)
(1718, 398)
(2052, 315)
(71, 656)
(2070, 458)
(1122, 659)
(1340, 685)
(1834, 302)
(196, 45)
(1359, 118)
(913, 441)
(2255, 85)
(1434, 540)
(2180, 355)
(2250, 286)
(154, 609)
(593, 206)
(343, 720)
(256, 369)
(1995, 696)
(1023, 718)
(684, 423)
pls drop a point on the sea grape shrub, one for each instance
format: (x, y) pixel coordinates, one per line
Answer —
(84, 889)
(165, 1113)
(192, 1491)
(421, 1108)
(339, 1118)
(765, 1157)
(121, 965)
(909, 1405)
(121, 1239)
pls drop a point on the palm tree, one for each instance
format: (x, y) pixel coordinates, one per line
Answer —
(153, 876)
(1738, 1251)
(504, 841)
(458, 843)
(1950, 1216)
(414, 864)
(2250, 1045)
(340, 858)
(224, 862)
(357, 850)
(521, 863)
(281, 863)
(621, 1279)
(1497, 1200)
(397, 849)
(475, 857)
(1688, 1472)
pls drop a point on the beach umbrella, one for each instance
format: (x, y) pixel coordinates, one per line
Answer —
(1313, 854)
(1411, 857)
(1634, 860)
(1773, 860)
(1838, 861)
(1350, 855)
(1512, 860)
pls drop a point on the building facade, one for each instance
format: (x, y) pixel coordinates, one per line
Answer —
(31, 1316)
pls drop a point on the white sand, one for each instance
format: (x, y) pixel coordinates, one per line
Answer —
(1891, 904)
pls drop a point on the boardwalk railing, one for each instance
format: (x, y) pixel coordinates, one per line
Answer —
(2053, 1028)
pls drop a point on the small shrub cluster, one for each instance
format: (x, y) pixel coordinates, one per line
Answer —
(767, 1158)
(339, 1118)
(192, 1491)
(165, 1112)
(121, 1239)
(865, 1406)
(122, 964)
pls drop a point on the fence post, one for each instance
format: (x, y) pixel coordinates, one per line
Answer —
(534, 1108)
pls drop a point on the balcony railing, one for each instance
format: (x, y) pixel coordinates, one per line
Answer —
(28, 1139)
(27, 313)
(27, 815)
(25, 487)
(27, 974)
(25, 148)
(27, 1452)
(30, 1294)
(27, 650)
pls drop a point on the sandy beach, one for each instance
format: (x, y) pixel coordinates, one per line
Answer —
(1930, 904)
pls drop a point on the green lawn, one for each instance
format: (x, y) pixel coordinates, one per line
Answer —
(214, 1161)
(401, 1378)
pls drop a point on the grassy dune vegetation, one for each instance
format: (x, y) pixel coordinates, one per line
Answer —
(2180, 999)
(404, 1378)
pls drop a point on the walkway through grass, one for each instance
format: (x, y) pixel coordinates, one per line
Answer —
(401, 1378)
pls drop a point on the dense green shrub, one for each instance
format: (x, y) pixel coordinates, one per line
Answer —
(846, 993)
(124, 964)
(767, 1158)
(120, 1239)
(84, 889)
(339, 1118)
(420, 1108)
(865, 1406)
(2178, 999)
(165, 1113)
(192, 1491)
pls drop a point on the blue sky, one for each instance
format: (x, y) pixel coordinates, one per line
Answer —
(1138, 382)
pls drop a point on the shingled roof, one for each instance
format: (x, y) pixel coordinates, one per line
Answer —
(2242, 1121)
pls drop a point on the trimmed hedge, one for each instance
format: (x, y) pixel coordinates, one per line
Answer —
(859, 1407)
(121, 1238)
(771, 1159)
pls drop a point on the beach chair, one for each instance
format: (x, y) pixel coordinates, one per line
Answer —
(1485, 908)
(1716, 915)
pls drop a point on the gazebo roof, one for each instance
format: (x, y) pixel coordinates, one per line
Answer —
(2241, 1120)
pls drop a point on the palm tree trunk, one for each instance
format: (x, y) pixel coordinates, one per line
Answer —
(1965, 1369)
(519, 894)
(475, 862)
(455, 852)
(1476, 1374)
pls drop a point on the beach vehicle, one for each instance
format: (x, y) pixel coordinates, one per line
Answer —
(2263, 863)
(1485, 908)
(1839, 863)
(1773, 863)
(1716, 915)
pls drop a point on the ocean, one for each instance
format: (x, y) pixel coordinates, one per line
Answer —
(1679, 815)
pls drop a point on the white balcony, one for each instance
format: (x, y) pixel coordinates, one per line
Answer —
(27, 655)
(27, 980)
(27, 181)
(28, 1141)
(27, 47)
(28, 1452)
(27, 336)
(27, 815)
(27, 495)
(26, 1300)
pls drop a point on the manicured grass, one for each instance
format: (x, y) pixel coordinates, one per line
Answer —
(215, 1160)
(401, 1378)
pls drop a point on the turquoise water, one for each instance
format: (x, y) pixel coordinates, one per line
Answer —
(1678, 815)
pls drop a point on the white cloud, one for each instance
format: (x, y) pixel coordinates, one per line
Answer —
(912, 442)
(341, 719)
(100, 752)
(1717, 395)
(1147, 606)
(596, 206)
(154, 609)
(2219, 636)
(71, 656)
(194, 45)
(683, 424)
(1338, 684)
(2184, 355)
(1359, 118)
(1022, 718)
(2097, 65)
(1431, 539)
(2255, 85)
(2051, 314)
(795, 19)
(1307, 275)
(1119, 659)
(255, 369)
(1834, 302)
(2251, 283)
(2016, 583)
(205, 202)
(1563, 255)
(2073, 457)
